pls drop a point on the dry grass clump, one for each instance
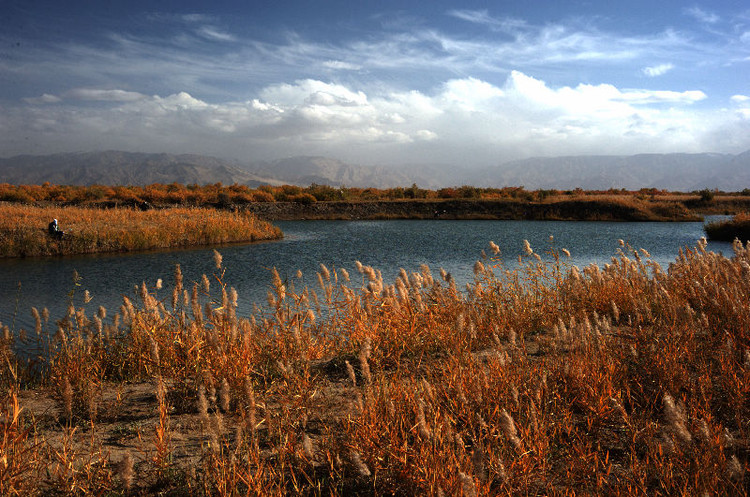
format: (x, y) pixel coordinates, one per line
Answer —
(541, 380)
(620, 207)
(737, 227)
(23, 229)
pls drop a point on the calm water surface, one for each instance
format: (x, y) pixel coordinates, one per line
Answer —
(385, 245)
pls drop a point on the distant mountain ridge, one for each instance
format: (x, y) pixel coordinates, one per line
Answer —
(676, 172)
(123, 168)
(304, 170)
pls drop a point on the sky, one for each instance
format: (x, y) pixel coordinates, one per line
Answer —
(465, 83)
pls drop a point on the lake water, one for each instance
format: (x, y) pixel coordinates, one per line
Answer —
(385, 245)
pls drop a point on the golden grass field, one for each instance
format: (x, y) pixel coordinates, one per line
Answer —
(630, 379)
(23, 229)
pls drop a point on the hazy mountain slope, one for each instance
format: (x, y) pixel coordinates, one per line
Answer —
(123, 168)
(734, 175)
(677, 172)
(683, 172)
(304, 170)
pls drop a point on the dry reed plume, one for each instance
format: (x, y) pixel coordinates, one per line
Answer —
(627, 379)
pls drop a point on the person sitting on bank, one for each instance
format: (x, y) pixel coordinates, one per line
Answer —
(54, 230)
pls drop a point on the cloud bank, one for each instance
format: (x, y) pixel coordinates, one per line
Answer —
(464, 120)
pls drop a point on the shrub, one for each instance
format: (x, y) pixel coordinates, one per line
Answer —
(706, 195)
(324, 192)
(303, 198)
(738, 227)
(262, 196)
(15, 195)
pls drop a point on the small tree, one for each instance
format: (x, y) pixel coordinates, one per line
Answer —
(707, 195)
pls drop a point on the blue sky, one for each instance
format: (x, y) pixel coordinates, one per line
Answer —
(389, 82)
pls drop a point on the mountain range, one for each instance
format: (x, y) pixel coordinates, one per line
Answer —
(676, 172)
(124, 168)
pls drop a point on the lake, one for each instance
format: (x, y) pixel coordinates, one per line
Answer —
(385, 245)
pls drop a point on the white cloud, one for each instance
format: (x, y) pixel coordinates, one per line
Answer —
(313, 92)
(265, 107)
(702, 15)
(44, 99)
(104, 95)
(473, 16)
(195, 17)
(179, 18)
(742, 106)
(213, 33)
(425, 135)
(482, 17)
(659, 70)
(341, 65)
(470, 94)
(662, 96)
(182, 101)
(463, 120)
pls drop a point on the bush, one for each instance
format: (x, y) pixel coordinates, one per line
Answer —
(262, 196)
(303, 198)
(324, 192)
(706, 195)
(19, 196)
(738, 227)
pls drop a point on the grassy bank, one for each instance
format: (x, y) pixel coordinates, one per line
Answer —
(23, 229)
(738, 227)
(545, 380)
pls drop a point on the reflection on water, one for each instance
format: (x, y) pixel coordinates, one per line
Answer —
(385, 245)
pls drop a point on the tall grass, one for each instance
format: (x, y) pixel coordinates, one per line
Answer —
(547, 379)
(23, 229)
(737, 227)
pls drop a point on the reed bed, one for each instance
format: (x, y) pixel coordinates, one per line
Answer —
(737, 227)
(545, 379)
(23, 229)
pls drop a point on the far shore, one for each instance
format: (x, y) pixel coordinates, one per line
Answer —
(100, 227)
(100, 219)
(627, 209)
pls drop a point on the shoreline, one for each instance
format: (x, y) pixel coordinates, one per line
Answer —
(168, 226)
(567, 210)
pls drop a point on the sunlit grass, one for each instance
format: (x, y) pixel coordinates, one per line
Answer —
(627, 379)
(23, 229)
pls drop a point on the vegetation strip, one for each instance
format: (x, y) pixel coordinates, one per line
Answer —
(737, 227)
(547, 379)
(290, 202)
(24, 229)
(581, 209)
